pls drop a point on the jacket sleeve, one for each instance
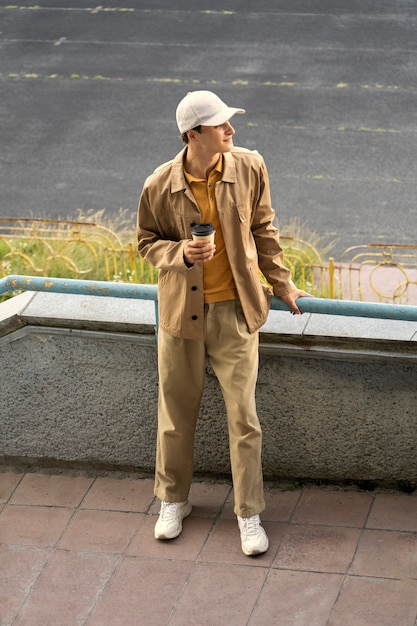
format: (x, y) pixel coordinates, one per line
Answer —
(266, 235)
(164, 254)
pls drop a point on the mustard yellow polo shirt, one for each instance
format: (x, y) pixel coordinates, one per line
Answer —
(219, 284)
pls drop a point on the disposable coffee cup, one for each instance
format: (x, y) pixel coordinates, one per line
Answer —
(203, 232)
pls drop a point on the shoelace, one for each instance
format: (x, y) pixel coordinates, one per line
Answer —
(168, 511)
(251, 525)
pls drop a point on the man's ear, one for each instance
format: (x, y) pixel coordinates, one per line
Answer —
(192, 135)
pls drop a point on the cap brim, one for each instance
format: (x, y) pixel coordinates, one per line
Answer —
(223, 116)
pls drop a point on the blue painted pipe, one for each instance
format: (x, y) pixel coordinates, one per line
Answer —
(149, 292)
(78, 287)
(350, 308)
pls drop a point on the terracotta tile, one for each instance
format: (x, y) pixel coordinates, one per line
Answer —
(332, 508)
(8, 483)
(317, 548)
(223, 544)
(186, 547)
(386, 554)
(204, 575)
(227, 511)
(120, 495)
(219, 594)
(100, 531)
(280, 505)
(141, 591)
(45, 490)
(296, 598)
(208, 499)
(67, 590)
(33, 525)
(394, 512)
(376, 602)
(19, 569)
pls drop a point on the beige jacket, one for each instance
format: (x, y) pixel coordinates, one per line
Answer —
(165, 214)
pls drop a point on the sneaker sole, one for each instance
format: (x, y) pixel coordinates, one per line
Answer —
(254, 552)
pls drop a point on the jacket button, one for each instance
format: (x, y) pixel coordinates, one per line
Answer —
(194, 317)
(194, 288)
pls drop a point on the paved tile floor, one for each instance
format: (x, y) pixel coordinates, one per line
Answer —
(77, 550)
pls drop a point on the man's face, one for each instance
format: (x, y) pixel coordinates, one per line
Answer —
(215, 139)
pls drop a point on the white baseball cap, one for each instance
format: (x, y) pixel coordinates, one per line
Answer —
(203, 107)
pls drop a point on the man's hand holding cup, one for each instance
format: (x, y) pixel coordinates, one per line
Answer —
(202, 247)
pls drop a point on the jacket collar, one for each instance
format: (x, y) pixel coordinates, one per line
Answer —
(229, 168)
(178, 182)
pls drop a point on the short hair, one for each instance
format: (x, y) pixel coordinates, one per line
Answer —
(184, 136)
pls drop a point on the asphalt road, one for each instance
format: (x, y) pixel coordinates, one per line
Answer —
(88, 98)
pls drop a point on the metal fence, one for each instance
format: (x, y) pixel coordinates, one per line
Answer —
(385, 273)
(70, 249)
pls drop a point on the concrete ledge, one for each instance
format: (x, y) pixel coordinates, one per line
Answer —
(336, 395)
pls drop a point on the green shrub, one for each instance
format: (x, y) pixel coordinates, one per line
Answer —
(100, 247)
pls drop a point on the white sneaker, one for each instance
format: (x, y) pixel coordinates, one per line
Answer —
(252, 535)
(169, 524)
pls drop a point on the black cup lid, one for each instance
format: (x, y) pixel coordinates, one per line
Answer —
(202, 229)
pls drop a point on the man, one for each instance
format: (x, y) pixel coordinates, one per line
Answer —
(211, 303)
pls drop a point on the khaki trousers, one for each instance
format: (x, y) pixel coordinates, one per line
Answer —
(233, 354)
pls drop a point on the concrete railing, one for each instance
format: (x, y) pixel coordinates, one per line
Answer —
(336, 393)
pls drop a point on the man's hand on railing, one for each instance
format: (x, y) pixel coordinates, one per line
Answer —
(290, 299)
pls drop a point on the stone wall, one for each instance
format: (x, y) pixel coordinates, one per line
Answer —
(336, 396)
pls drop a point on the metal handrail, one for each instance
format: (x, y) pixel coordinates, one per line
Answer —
(76, 286)
(325, 306)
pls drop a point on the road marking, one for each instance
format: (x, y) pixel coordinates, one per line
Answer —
(92, 10)
(284, 84)
(356, 179)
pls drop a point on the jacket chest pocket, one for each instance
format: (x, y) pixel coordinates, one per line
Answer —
(244, 212)
(238, 216)
(177, 224)
(236, 223)
(237, 213)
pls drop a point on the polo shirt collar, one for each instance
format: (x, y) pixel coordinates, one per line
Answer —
(178, 182)
(217, 168)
